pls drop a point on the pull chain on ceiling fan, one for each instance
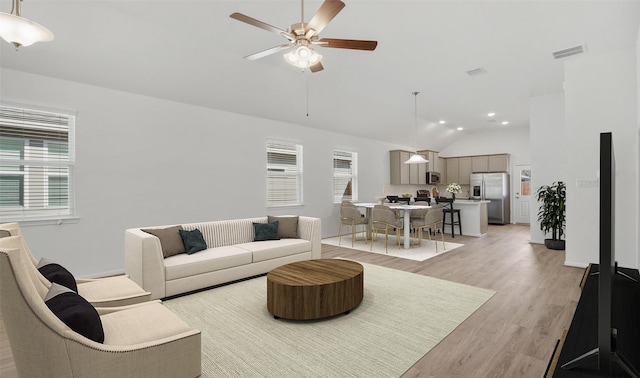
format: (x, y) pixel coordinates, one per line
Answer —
(302, 36)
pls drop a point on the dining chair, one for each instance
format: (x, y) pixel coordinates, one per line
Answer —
(433, 221)
(384, 218)
(351, 216)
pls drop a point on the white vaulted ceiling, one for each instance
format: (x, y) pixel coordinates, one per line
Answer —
(191, 51)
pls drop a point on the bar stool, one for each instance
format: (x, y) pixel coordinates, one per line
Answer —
(447, 208)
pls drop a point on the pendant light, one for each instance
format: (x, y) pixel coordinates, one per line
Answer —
(21, 31)
(415, 158)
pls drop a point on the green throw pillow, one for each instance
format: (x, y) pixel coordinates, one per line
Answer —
(266, 231)
(193, 241)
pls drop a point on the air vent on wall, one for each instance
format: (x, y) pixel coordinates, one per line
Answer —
(477, 71)
(569, 52)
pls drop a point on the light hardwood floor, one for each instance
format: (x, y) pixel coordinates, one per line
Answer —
(512, 335)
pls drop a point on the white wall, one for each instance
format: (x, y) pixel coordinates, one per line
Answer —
(548, 157)
(143, 161)
(601, 95)
(638, 145)
(514, 141)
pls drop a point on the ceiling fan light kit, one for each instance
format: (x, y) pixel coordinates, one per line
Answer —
(302, 35)
(303, 57)
(21, 31)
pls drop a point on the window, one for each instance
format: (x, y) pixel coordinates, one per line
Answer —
(284, 174)
(345, 176)
(36, 164)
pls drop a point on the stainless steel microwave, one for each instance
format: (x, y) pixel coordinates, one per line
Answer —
(433, 178)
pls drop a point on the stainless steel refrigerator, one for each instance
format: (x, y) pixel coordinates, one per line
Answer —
(493, 187)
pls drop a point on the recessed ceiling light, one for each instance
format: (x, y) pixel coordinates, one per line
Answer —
(505, 122)
(442, 122)
(491, 114)
(460, 128)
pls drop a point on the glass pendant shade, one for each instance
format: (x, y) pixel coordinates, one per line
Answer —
(21, 31)
(416, 159)
(303, 57)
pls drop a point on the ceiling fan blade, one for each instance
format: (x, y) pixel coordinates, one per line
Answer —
(316, 67)
(353, 44)
(263, 53)
(257, 23)
(328, 10)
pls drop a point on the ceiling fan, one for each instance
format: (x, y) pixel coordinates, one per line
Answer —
(302, 36)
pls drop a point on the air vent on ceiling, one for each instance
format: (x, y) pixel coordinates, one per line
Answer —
(569, 52)
(477, 71)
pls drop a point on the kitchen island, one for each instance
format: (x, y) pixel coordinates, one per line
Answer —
(473, 215)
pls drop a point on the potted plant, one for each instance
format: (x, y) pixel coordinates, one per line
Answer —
(552, 213)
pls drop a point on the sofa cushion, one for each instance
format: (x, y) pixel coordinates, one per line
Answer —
(57, 273)
(193, 241)
(75, 312)
(209, 260)
(273, 249)
(142, 324)
(287, 225)
(266, 231)
(170, 239)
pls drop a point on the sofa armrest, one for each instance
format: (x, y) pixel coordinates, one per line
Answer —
(144, 262)
(309, 229)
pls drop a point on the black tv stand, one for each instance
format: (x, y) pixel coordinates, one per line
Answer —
(616, 357)
(582, 335)
(618, 272)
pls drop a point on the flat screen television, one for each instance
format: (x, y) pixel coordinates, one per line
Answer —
(606, 351)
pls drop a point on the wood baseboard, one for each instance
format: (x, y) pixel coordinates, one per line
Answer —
(553, 362)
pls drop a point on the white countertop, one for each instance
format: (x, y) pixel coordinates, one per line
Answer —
(469, 202)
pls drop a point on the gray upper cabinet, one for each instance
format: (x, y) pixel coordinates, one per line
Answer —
(499, 163)
(480, 163)
(464, 171)
(401, 173)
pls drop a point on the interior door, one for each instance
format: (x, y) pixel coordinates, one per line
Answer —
(522, 194)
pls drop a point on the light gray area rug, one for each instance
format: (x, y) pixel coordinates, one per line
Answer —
(402, 316)
(417, 253)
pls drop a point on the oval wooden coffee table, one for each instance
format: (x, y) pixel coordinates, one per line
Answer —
(314, 289)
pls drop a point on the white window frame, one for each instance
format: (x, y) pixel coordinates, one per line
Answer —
(35, 131)
(345, 177)
(284, 174)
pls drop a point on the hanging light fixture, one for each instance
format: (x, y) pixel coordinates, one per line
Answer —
(303, 56)
(415, 158)
(21, 31)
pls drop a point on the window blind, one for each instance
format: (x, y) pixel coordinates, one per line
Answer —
(345, 181)
(284, 174)
(37, 161)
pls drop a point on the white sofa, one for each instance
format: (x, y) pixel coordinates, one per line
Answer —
(231, 254)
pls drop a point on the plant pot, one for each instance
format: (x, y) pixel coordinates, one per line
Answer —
(554, 244)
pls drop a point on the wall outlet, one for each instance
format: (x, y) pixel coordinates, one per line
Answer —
(587, 183)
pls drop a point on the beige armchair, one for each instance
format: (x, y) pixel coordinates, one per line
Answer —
(384, 218)
(145, 339)
(433, 221)
(352, 217)
(102, 292)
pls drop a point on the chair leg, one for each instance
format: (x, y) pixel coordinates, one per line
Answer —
(340, 233)
(444, 246)
(353, 233)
